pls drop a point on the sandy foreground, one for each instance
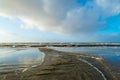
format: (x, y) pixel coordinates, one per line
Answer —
(58, 65)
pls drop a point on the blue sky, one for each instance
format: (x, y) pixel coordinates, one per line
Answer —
(60, 21)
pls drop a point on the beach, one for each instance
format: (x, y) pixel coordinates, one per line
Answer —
(58, 65)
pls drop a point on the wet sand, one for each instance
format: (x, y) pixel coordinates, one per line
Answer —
(59, 65)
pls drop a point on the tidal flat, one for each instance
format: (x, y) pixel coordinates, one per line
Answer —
(61, 65)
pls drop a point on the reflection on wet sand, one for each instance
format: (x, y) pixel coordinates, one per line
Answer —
(56, 65)
(18, 59)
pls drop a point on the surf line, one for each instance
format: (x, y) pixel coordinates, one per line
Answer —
(85, 61)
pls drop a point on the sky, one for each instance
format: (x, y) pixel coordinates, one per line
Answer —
(59, 20)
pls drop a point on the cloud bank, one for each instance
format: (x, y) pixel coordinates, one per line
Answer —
(61, 16)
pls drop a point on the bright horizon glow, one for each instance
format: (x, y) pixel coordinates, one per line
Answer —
(59, 21)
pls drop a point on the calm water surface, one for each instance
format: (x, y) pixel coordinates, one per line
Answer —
(19, 58)
(111, 55)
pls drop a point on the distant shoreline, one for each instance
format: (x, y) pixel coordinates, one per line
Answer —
(68, 44)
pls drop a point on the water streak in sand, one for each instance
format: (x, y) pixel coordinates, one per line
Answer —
(93, 67)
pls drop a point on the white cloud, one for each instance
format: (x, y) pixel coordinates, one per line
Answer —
(61, 16)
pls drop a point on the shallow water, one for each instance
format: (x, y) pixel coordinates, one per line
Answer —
(12, 59)
(111, 55)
